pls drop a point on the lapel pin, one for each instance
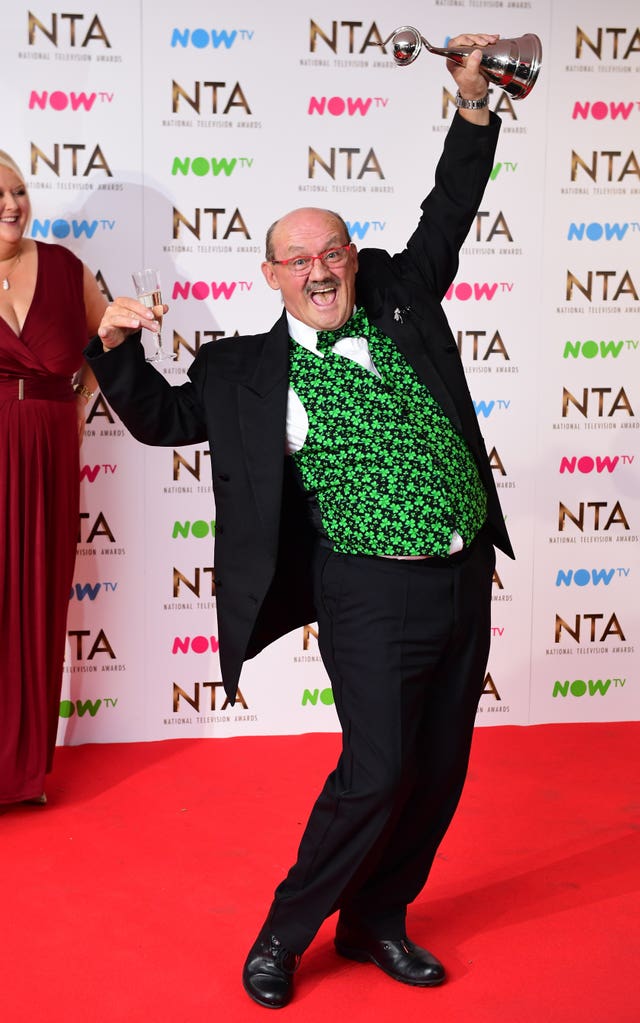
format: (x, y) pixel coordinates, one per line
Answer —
(398, 314)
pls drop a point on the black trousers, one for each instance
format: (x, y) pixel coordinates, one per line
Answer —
(405, 645)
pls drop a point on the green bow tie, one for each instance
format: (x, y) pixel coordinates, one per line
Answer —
(356, 326)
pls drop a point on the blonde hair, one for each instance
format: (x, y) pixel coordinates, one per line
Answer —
(7, 161)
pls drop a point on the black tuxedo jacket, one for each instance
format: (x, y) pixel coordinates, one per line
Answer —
(237, 400)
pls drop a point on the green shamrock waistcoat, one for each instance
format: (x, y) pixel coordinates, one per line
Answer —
(387, 469)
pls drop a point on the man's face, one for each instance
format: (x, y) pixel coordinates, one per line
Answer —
(323, 298)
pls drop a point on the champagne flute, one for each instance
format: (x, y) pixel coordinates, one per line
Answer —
(147, 285)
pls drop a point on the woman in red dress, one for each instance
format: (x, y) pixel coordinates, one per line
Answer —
(50, 304)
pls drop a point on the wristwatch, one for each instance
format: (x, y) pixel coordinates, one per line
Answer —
(471, 104)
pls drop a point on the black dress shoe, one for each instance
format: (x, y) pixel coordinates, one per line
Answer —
(401, 959)
(267, 976)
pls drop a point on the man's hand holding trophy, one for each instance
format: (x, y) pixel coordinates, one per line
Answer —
(513, 64)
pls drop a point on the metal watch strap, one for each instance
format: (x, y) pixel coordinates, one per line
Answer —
(471, 104)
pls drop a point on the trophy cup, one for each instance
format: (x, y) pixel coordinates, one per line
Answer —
(513, 64)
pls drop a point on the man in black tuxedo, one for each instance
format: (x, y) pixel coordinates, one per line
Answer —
(352, 488)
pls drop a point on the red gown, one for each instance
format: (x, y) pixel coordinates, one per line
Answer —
(39, 502)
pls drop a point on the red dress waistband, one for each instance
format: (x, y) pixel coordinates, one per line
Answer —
(51, 388)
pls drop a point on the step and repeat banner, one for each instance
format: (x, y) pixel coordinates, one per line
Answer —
(171, 136)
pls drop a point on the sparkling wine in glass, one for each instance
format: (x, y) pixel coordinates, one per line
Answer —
(148, 291)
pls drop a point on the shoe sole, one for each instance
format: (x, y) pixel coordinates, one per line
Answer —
(359, 955)
(260, 1001)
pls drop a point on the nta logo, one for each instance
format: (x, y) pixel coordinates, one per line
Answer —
(612, 43)
(594, 514)
(493, 346)
(99, 527)
(596, 631)
(218, 229)
(214, 101)
(353, 34)
(354, 164)
(602, 285)
(99, 645)
(617, 165)
(486, 230)
(604, 409)
(195, 584)
(62, 30)
(96, 160)
(195, 700)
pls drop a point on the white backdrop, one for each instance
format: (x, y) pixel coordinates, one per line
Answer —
(172, 135)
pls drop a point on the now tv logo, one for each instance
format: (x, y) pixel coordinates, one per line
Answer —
(201, 166)
(59, 100)
(91, 590)
(600, 110)
(584, 577)
(595, 231)
(359, 228)
(586, 464)
(591, 687)
(70, 228)
(506, 166)
(466, 291)
(485, 408)
(195, 644)
(81, 707)
(337, 106)
(91, 472)
(198, 528)
(202, 290)
(202, 38)
(598, 349)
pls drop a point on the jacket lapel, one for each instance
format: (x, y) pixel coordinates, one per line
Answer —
(272, 363)
(262, 407)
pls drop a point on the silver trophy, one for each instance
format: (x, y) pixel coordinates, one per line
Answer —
(513, 64)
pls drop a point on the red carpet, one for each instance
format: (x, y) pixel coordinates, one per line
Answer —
(135, 894)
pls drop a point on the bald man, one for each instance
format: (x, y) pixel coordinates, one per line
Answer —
(352, 488)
